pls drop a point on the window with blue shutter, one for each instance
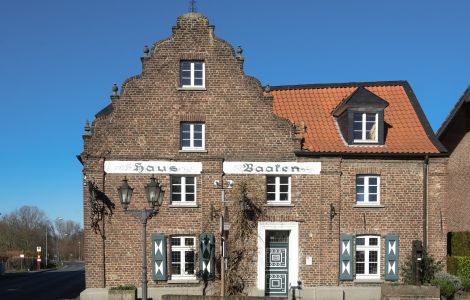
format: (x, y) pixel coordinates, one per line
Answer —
(345, 257)
(159, 257)
(207, 255)
(391, 257)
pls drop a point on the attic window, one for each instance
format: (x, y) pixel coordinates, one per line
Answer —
(365, 127)
(360, 118)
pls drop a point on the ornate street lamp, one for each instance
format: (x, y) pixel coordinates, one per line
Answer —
(154, 193)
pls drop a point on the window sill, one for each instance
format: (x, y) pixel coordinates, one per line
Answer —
(192, 88)
(368, 206)
(193, 151)
(359, 281)
(183, 206)
(183, 280)
(279, 205)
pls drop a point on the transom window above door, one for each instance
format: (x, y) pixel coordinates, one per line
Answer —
(278, 189)
(192, 136)
(192, 74)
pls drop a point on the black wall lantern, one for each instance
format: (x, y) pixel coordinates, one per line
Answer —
(125, 193)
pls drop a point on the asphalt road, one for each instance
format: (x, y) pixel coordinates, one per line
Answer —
(66, 283)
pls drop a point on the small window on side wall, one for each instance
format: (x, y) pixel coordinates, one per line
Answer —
(192, 74)
(367, 190)
(192, 136)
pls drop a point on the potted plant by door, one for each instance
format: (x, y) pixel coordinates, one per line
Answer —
(123, 292)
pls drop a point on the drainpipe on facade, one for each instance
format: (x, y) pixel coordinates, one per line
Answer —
(425, 201)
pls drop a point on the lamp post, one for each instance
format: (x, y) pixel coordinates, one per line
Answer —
(154, 193)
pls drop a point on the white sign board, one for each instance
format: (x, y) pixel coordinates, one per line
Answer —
(278, 168)
(152, 167)
(38, 248)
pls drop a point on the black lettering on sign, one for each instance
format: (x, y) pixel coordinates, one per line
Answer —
(138, 167)
(247, 167)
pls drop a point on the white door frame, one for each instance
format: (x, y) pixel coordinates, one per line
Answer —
(293, 227)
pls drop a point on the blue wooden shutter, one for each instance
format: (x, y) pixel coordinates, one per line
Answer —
(346, 257)
(159, 256)
(391, 257)
(207, 254)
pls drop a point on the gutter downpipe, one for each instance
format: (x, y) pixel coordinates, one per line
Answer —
(425, 201)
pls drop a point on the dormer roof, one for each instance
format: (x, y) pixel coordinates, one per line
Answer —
(360, 98)
(406, 128)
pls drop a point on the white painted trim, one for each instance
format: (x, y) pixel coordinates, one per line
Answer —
(293, 227)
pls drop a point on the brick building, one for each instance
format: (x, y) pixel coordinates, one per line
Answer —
(454, 135)
(331, 183)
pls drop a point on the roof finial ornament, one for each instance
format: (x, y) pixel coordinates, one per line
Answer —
(239, 53)
(192, 4)
(267, 90)
(146, 51)
(115, 89)
(87, 128)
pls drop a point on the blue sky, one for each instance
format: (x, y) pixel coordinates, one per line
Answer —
(59, 59)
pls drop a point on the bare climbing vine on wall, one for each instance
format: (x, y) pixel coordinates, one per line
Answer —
(245, 212)
(101, 207)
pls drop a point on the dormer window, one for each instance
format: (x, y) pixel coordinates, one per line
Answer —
(360, 118)
(365, 127)
(192, 74)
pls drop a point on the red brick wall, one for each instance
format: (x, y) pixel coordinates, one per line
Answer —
(144, 125)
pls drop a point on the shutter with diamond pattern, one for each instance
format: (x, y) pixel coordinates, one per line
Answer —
(346, 257)
(159, 256)
(391, 257)
(206, 254)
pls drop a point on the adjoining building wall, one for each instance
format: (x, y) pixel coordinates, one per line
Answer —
(459, 187)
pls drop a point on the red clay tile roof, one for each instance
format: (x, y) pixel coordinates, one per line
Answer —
(408, 132)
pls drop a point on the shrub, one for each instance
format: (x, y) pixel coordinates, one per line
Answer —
(429, 267)
(459, 243)
(466, 284)
(446, 287)
(443, 276)
(452, 265)
(463, 269)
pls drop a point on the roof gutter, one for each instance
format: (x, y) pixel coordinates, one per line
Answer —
(305, 153)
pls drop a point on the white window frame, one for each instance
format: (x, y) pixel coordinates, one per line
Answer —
(367, 248)
(191, 136)
(183, 193)
(366, 190)
(364, 138)
(277, 191)
(183, 249)
(192, 74)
